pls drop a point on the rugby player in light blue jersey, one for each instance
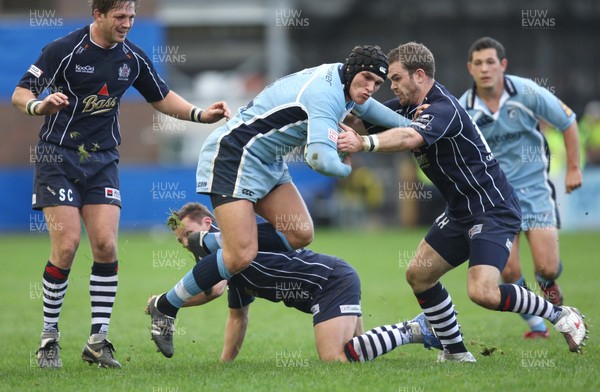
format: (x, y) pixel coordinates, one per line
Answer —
(508, 109)
(241, 164)
(482, 215)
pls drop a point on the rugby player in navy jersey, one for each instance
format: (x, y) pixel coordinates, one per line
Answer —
(241, 164)
(76, 175)
(323, 285)
(482, 215)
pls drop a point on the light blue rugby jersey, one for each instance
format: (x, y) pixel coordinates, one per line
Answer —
(512, 132)
(299, 109)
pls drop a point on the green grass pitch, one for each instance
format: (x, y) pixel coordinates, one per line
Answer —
(279, 352)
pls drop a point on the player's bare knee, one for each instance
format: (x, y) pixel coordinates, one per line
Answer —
(301, 238)
(64, 252)
(548, 272)
(105, 250)
(417, 279)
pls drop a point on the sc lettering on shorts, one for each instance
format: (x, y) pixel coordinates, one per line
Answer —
(65, 195)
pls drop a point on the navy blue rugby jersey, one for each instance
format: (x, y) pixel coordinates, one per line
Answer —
(455, 156)
(94, 79)
(292, 277)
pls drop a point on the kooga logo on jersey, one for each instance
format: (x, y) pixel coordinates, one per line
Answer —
(84, 69)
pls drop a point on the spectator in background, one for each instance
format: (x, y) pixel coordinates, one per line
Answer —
(357, 195)
(589, 127)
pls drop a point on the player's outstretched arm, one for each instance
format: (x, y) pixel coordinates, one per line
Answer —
(175, 106)
(377, 113)
(235, 331)
(395, 139)
(28, 103)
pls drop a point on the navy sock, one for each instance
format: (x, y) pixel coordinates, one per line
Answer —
(206, 273)
(271, 240)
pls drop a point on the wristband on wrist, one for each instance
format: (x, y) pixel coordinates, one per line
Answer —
(371, 143)
(375, 139)
(366, 143)
(196, 115)
(31, 105)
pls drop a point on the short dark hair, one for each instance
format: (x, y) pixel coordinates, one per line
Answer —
(487, 43)
(195, 211)
(414, 56)
(106, 5)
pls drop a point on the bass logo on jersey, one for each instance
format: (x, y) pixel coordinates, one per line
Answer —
(94, 105)
(124, 72)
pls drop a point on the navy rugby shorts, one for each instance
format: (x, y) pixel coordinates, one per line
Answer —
(484, 238)
(63, 176)
(340, 297)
